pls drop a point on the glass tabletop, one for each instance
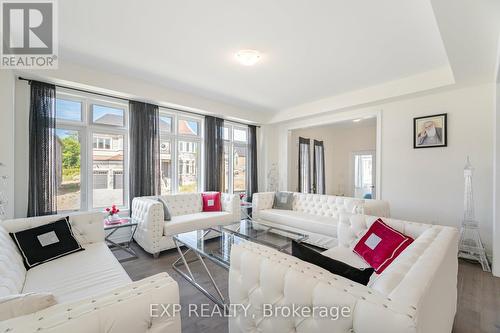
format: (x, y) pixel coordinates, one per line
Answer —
(219, 249)
(119, 223)
(276, 238)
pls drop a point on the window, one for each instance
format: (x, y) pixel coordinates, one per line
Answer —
(188, 127)
(240, 169)
(105, 115)
(91, 152)
(107, 171)
(180, 152)
(364, 175)
(67, 109)
(235, 158)
(68, 172)
(165, 124)
(188, 171)
(102, 142)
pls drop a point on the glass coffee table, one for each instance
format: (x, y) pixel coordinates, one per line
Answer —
(215, 245)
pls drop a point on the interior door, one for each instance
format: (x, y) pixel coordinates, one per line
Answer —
(364, 174)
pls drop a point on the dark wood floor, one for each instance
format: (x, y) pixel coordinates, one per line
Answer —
(478, 294)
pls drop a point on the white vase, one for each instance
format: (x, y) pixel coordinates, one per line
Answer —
(113, 217)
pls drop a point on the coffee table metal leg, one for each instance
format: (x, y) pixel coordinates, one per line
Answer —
(220, 301)
(211, 278)
(183, 258)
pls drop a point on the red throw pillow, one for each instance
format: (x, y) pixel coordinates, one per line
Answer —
(211, 202)
(381, 245)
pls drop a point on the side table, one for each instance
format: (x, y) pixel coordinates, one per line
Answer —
(112, 227)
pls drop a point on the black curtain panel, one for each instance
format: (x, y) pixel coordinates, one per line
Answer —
(214, 154)
(144, 150)
(319, 167)
(304, 165)
(42, 182)
(252, 184)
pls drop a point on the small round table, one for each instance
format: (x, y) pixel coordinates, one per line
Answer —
(112, 227)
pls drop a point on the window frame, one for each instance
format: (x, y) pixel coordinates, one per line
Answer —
(231, 144)
(108, 104)
(174, 137)
(86, 129)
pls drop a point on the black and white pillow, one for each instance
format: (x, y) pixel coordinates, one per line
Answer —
(46, 242)
(304, 252)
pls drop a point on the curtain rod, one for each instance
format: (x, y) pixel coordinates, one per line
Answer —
(126, 99)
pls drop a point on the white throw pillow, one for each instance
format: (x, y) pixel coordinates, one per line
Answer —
(16, 305)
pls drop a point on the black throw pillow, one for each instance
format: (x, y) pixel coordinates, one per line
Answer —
(306, 253)
(46, 242)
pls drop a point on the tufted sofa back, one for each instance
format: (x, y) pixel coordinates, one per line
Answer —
(183, 204)
(87, 228)
(12, 271)
(325, 205)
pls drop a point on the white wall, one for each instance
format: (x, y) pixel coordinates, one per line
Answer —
(339, 142)
(121, 85)
(425, 185)
(496, 175)
(7, 135)
(496, 220)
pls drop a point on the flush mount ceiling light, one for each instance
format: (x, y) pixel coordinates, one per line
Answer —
(248, 57)
(357, 120)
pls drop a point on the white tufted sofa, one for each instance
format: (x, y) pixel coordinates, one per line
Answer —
(155, 235)
(314, 214)
(93, 291)
(417, 293)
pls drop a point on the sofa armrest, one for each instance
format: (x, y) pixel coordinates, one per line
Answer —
(231, 204)
(132, 308)
(261, 201)
(87, 227)
(148, 213)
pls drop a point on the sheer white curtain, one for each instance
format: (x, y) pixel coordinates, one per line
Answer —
(319, 167)
(304, 165)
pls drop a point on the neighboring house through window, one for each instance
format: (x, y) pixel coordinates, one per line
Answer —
(235, 157)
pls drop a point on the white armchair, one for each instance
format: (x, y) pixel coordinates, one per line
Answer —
(154, 234)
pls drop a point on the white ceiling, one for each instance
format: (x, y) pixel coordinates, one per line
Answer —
(312, 49)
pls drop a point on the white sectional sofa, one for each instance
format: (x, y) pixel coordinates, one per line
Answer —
(314, 214)
(93, 292)
(416, 293)
(154, 234)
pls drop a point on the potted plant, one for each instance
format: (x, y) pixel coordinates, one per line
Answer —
(113, 213)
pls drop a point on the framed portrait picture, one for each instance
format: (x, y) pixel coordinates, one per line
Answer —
(430, 131)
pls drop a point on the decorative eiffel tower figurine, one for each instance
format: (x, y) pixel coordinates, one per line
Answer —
(470, 246)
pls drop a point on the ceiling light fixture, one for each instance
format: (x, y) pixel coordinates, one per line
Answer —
(357, 120)
(248, 57)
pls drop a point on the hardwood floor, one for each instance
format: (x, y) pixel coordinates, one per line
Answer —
(478, 309)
